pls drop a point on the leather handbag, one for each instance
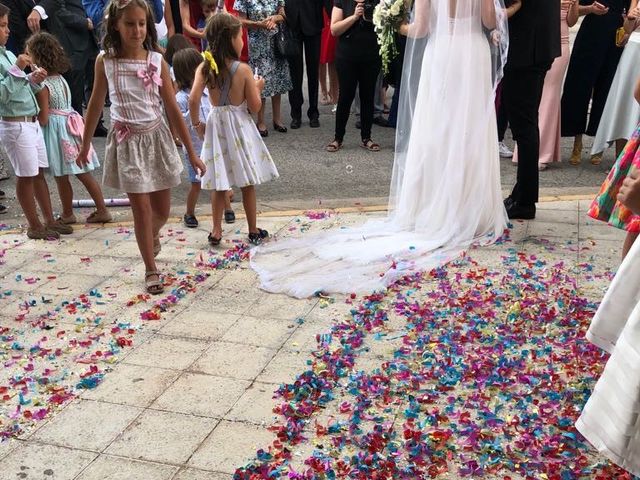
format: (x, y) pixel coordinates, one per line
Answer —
(285, 43)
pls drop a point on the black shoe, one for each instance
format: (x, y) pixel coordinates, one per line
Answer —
(358, 124)
(295, 123)
(101, 131)
(229, 216)
(279, 128)
(213, 241)
(3, 208)
(257, 237)
(516, 211)
(2, 194)
(190, 221)
(380, 121)
(264, 133)
(314, 123)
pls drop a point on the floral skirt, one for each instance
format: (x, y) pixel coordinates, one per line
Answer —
(145, 162)
(605, 206)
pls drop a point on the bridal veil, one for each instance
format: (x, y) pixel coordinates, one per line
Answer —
(445, 192)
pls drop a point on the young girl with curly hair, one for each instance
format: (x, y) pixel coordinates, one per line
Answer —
(141, 157)
(62, 128)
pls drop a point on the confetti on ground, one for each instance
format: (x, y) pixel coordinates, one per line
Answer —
(483, 374)
(50, 352)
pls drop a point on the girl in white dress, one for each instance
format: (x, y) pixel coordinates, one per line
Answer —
(141, 157)
(233, 150)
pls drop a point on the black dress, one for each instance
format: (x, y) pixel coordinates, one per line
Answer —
(593, 64)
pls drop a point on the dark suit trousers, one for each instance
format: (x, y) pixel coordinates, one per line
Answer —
(521, 94)
(78, 79)
(311, 50)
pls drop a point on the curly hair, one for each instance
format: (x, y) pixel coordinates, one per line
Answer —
(220, 31)
(46, 52)
(111, 41)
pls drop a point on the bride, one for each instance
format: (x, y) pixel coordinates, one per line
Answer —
(445, 190)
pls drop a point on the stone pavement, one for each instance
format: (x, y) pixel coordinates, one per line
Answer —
(99, 381)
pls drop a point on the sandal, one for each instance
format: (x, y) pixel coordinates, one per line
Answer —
(70, 220)
(263, 133)
(256, 237)
(42, 234)
(596, 159)
(370, 145)
(229, 216)
(157, 246)
(333, 146)
(96, 217)
(214, 241)
(154, 287)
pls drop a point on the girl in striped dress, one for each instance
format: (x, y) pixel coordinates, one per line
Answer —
(141, 157)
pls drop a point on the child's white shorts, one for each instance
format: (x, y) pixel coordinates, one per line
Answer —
(25, 147)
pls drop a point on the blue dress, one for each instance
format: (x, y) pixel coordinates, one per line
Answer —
(63, 132)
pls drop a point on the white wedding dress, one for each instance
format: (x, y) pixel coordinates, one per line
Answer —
(445, 192)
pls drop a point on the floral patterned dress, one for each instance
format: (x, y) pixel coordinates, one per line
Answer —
(605, 206)
(233, 150)
(262, 57)
(63, 132)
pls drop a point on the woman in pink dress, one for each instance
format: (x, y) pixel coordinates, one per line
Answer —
(549, 113)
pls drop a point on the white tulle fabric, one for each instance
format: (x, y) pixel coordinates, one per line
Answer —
(445, 192)
(610, 420)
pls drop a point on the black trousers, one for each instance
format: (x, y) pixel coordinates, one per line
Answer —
(352, 74)
(80, 80)
(310, 46)
(522, 91)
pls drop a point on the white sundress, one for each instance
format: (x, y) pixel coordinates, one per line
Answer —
(233, 150)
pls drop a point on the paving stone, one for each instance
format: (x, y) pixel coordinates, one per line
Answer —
(36, 461)
(232, 360)
(284, 367)
(204, 395)
(231, 445)
(133, 385)
(87, 424)
(162, 437)
(262, 332)
(107, 467)
(255, 406)
(167, 352)
(199, 324)
(194, 474)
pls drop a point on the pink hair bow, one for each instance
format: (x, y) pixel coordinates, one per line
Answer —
(149, 76)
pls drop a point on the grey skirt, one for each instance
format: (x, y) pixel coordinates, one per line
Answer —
(146, 161)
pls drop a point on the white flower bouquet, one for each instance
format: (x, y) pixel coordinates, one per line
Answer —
(387, 18)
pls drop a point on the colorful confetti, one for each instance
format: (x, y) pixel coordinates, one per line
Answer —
(485, 372)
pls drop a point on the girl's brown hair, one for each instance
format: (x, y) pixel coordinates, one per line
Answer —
(111, 42)
(185, 64)
(46, 51)
(220, 31)
(176, 43)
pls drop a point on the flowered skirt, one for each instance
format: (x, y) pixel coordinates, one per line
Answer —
(141, 159)
(605, 206)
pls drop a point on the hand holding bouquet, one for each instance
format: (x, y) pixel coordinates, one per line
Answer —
(387, 18)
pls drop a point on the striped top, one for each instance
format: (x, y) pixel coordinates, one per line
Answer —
(134, 88)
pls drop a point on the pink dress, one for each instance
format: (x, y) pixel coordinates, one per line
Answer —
(549, 113)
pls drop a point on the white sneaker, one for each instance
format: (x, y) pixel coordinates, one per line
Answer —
(504, 150)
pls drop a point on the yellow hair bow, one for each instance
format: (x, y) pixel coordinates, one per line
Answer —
(212, 62)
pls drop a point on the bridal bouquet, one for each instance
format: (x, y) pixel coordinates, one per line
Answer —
(387, 18)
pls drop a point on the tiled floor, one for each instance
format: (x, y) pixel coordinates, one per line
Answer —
(191, 398)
